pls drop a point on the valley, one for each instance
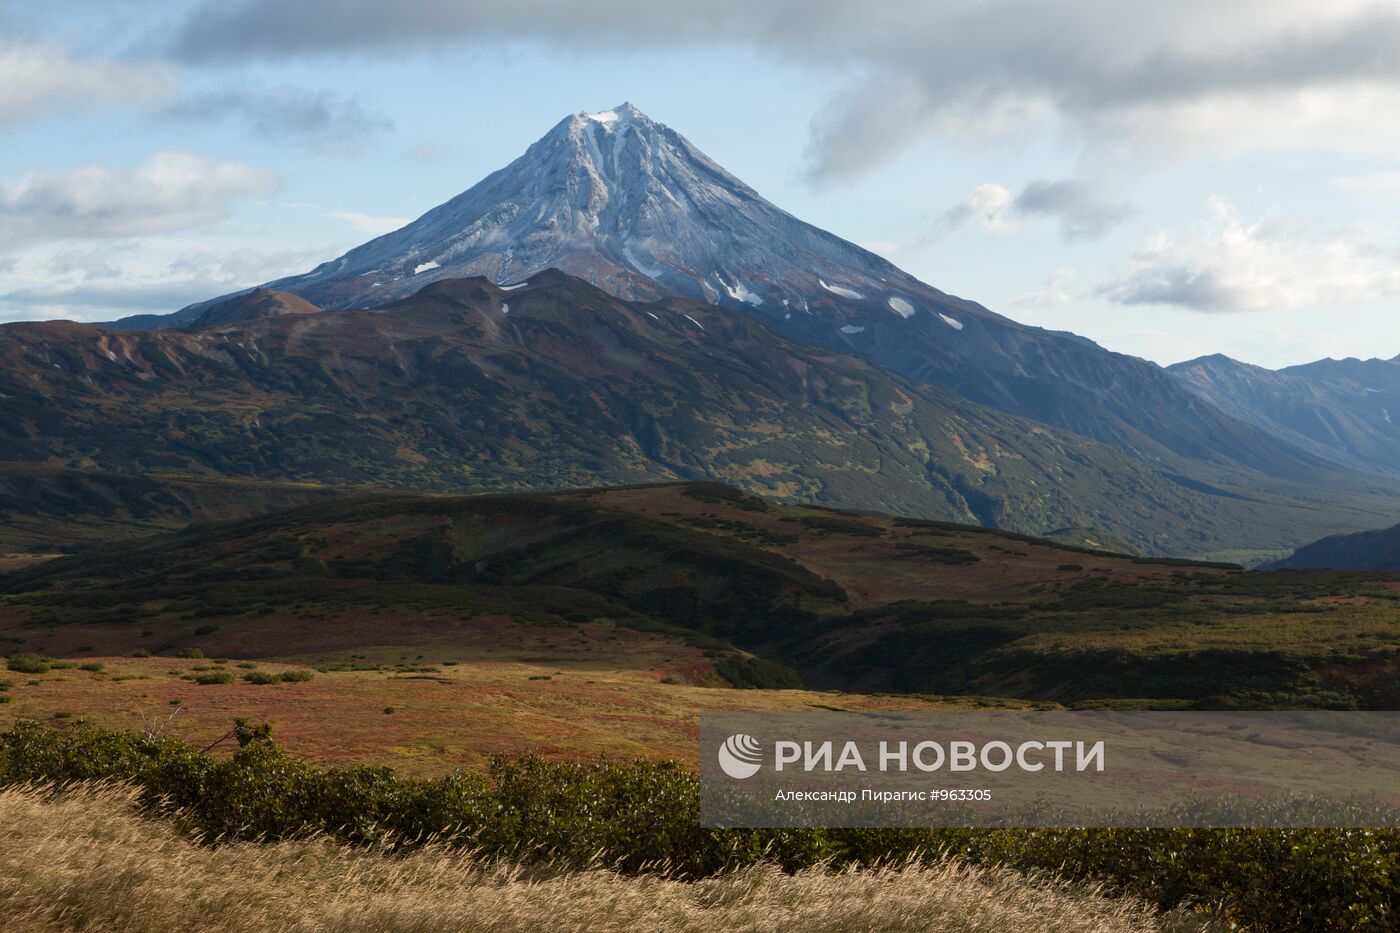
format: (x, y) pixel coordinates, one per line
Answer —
(486, 623)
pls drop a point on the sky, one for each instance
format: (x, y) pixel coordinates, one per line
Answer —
(1169, 180)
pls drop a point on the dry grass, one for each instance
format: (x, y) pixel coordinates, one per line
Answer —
(86, 861)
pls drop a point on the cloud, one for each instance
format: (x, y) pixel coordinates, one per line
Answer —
(986, 207)
(1377, 184)
(1228, 265)
(40, 79)
(1239, 76)
(1059, 289)
(319, 121)
(1082, 209)
(76, 302)
(60, 286)
(364, 223)
(428, 152)
(85, 264)
(169, 191)
(1084, 212)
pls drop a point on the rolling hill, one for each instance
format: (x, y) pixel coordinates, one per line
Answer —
(846, 600)
(46, 510)
(1364, 550)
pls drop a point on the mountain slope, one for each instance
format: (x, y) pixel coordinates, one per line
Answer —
(635, 208)
(1339, 409)
(1364, 550)
(468, 386)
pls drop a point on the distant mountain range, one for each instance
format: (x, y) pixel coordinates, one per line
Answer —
(700, 331)
(555, 383)
(1344, 410)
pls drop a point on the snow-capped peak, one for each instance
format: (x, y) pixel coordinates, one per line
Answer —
(627, 204)
(622, 113)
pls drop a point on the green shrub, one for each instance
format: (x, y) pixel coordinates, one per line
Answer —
(140, 653)
(29, 663)
(94, 667)
(189, 653)
(213, 677)
(636, 815)
(262, 677)
(757, 674)
(297, 676)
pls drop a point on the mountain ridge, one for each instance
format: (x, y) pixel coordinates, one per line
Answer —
(468, 386)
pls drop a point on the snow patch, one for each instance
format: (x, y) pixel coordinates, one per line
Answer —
(653, 317)
(424, 267)
(505, 308)
(901, 307)
(1386, 412)
(841, 290)
(693, 321)
(851, 329)
(651, 272)
(511, 288)
(605, 117)
(740, 292)
(951, 321)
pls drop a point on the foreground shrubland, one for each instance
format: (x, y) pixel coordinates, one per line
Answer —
(640, 819)
(84, 860)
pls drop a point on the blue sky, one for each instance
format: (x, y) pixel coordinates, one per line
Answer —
(1169, 180)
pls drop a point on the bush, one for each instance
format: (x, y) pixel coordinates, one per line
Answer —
(757, 674)
(189, 653)
(140, 653)
(94, 667)
(29, 663)
(214, 677)
(262, 677)
(636, 815)
(297, 676)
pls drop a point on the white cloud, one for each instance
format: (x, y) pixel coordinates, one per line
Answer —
(364, 223)
(1083, 210)
(169, 191)
(75, 284)
(1059, 289)
(1377, 184)
(986, 207)
(39, 79)
(1227, 264)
